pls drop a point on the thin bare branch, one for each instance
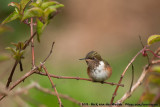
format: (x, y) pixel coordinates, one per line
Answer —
(32, 44)
(122, 75)
(132, 78)
(156, 52)
(135, 86)
(38, 87)
(21, 66)
(76, 78)
(45, 90)
(49, 53)
(53, 86)
(11, 75)
(141, 41)
(19, 81)
(144, 51)
(29, 40)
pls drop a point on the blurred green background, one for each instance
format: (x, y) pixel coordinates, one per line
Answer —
(110, 27)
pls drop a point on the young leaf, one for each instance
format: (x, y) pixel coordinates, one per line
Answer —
(47, 4)
(39, 29)
(33, 12)
(13, 50)
(156, 68)
(15, 44)
(58, 6)
(48, 11)
(11, 17)
(20, 45)
(34, 4)
(14, 4)
(153, 38)
(23, 4)
(39, 2)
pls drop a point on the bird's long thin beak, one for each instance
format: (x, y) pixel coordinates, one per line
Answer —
(82, 59)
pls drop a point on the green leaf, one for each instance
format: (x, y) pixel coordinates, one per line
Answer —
(33, 12)
(15, 44)
(156, 68)
(48, 11)
(20, 45)
(4, 57)
(155, 79)
(59, 6)
(39, 2)
(18, 55)
(39, 29)
(23, 4)
(14, 4)
(34, 4)
(47, 4)
(11, 17)
(11, 49)
(153, 38)
(21, 53)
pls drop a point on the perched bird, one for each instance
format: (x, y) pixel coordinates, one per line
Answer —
(98, 69)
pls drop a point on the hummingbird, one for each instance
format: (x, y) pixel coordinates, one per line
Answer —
(98, 69)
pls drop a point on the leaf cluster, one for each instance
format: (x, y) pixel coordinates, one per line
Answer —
(17, 51)
(41, 10)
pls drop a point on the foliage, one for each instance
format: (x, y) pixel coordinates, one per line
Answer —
(41, 10)
(153, 38)
(17, 51)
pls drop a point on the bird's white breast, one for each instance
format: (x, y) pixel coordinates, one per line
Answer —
(99, 73)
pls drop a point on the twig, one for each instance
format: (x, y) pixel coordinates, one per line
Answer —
(141, 41)
(144, 51)
(11, 75)
(76, 78)
(38, 87)
(20, 102)
(16, 62)
(32, 44)
(19, 81)
(115, 92)
(49, 53)
(60, 95)
(29, 40)
(45, 90)
(155, 55)
(21, 66)
(53, 86)
(156, 52)
(135, 86)
(132, 78)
